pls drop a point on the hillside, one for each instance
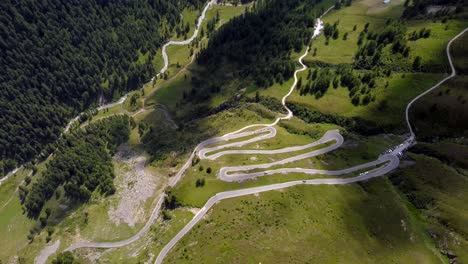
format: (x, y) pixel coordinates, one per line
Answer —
(87, 186)
(277, 134)
(59, 58)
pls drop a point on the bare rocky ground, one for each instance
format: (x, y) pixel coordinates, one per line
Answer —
(136, 186)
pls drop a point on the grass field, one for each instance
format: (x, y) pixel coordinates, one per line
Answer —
(356, 150)
(388, 228)
(439, 192)
(444, 111)
(363, 223)
(358, 14)
(147, 247)
(170, 93)
(401, 89)
(432, 49)
(91, 221)
(190, 16)
(368, 222)
(390, 99)
(14, 226)
(460, 54)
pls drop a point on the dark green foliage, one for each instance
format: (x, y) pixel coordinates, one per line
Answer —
(133, 99)
(418, 8)
(65, 258)
(258, 43)
(355, 100)
(423, 33)
(82, 164)
(22, 192)
(27, 180)
(271, 103)
(200, 182)
(420, 200)
(171, 201)
(336, 83)
(56, 55)
(320, 86)
(417, 63)
(369, 54)
(348, 78)
(338, 5)
(335, 34)
(299, 83)
(6, 165)
(50, 231)
(165, 215)
(211, 25)
(328, 30)
(354, 124)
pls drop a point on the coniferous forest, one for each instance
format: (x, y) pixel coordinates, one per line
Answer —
(81, 164)
(59, 58)
(266, 37)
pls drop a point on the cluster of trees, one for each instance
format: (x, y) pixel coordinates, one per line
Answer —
(423, 33)
(318, 82)
(359, 83)
(59, 57)
(258, 43)
(354, 124)
(171, 201)
(339, 3)
(211, 24)
(65, 258)
(370, 53)
(370, 62)
(235, 2)
(82, 164)
(200, 182)
(331, 31)
(419, 8)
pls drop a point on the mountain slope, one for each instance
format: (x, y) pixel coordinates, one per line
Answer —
(59, 57)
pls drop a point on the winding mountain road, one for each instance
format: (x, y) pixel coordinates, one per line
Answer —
(453, 74)
(384, 164)
(123, 98)
(389, 160)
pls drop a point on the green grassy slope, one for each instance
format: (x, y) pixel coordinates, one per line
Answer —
(439, 192)
(91, 221)
(370, 222)
(444, 112)
(365, 223)
(391, 94)
(437, 181)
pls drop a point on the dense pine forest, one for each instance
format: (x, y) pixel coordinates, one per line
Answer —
(60, 57)
(258, 45)
(81, 164)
